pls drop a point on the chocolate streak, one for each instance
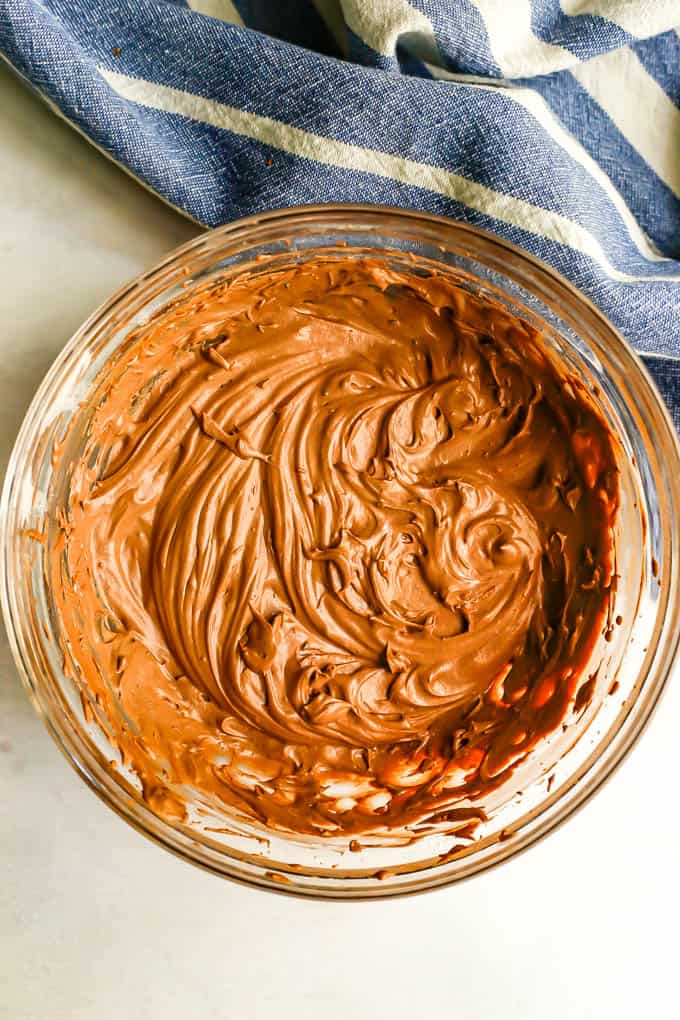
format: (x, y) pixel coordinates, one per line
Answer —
(337, 549)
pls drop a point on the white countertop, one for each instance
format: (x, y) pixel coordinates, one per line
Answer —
(97, 922)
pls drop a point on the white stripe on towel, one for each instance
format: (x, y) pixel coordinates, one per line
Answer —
(639, 108)
(332, 152)
(640, 18)
(380, 23)
(223, 10)
(534, 103)
(517, 51)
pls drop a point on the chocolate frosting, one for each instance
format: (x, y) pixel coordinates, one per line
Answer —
(337, 549)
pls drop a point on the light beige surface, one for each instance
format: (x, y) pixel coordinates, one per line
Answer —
(96, 922)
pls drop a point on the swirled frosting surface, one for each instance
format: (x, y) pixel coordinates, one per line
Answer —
(337, 547)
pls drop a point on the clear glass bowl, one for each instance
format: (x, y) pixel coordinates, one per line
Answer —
(568, 767)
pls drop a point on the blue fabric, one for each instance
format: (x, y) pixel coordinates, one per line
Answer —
(555, 128)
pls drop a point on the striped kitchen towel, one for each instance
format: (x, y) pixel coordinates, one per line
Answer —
(554, 123)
